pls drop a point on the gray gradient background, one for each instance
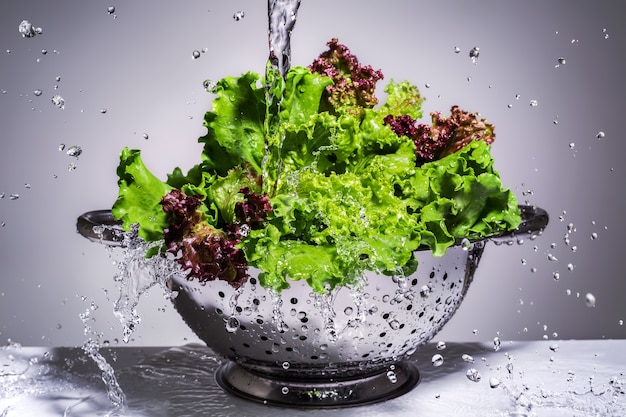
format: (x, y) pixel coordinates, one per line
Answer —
(138, 66)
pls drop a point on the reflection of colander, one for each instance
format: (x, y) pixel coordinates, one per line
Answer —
(342, 349)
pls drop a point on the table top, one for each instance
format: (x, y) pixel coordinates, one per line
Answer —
(536, 378)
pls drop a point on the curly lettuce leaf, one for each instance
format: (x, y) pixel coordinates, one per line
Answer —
(139, 195)
(236, 131)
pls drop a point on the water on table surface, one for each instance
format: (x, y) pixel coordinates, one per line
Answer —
(532, 379)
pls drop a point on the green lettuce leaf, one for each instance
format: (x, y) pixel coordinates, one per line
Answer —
(140, 193)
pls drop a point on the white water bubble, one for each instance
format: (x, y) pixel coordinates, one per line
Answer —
(590, 300)
(28, 30)
(494, 382)
(437, 360)
(473, 375)
(209, 86)
(37, 93)
(497, 343)
(58, 101)
(111, 9)
(441, 345)
(393, 378)
(467, 358)
(285, 390)
(14, 196)
(474, 53)
(195, 54)
(457, 49)
(394, 324)
(240, 14)
(286, 365)
(534, 103)
(561, 61)
(145, 136)
(554, 347)
(466, 244)
(74, 151)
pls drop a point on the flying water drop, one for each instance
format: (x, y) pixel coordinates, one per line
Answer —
(58, 101)
(239, 15)
(437, 360)
(473, 375)
(590, 300)
(28, 30)
(474, 54)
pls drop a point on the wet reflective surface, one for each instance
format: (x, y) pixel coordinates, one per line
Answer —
(543, 378)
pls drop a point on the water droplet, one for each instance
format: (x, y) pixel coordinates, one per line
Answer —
(590, 300)
(457, 49)
(594, 236)
(74, 151)
(437, 360)
(37, 92)
(572, 145)
(195, 54)
(427, 85)
(145, 136)
(517, 96)
(348, 310)
(27, 186)
(232, 324)
(554, 347)
(561, 61)
(534, 103)
(286, 365)
(394, 324)
(552, 258)
(28, 30)
(474, 53)
(14, 196)
(393, 378)
(473, 375)
(425, 291)
(58, 101)
(285, 390)
(441, 345)
(466, 244)
(209, 86)
(71, 166)
(524, 261)
(621, 322)
(496, 343)
(556, 276)
(239, 15)
(111, 9)
(467, 358)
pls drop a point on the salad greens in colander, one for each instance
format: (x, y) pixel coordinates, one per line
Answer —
(309, 177)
